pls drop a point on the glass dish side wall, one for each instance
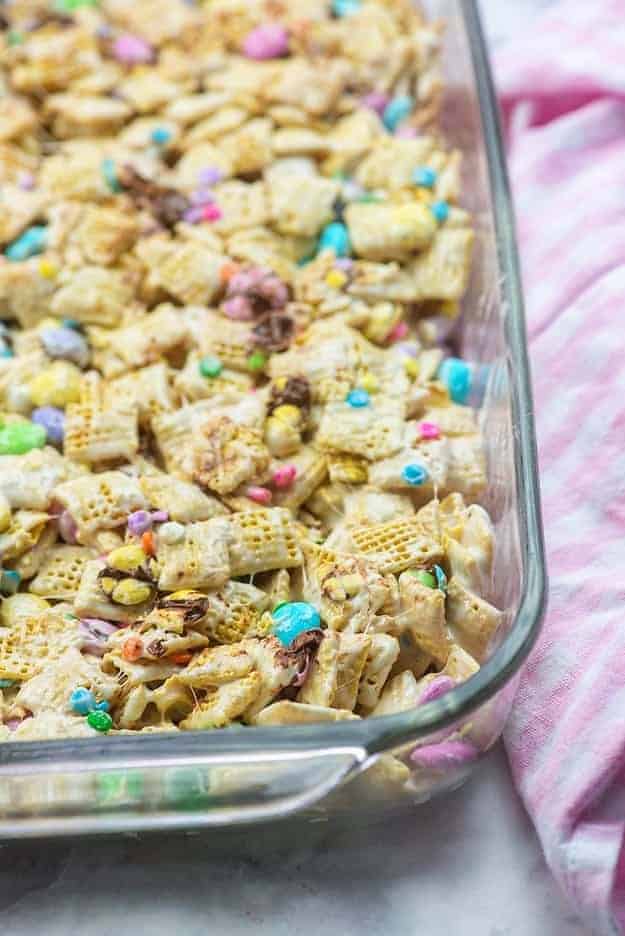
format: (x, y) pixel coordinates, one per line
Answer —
(228, 777)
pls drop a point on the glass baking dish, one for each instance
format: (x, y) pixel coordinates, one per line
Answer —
(238, 775)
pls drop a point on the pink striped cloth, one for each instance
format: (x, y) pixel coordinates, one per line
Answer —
(562, 87)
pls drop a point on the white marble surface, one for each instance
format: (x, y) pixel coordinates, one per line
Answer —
(466, 865)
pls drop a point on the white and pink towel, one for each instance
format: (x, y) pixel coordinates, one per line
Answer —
(562, 88)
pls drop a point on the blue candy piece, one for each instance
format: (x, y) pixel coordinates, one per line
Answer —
(71, 323)
(82, 701)
(441, 578)
(102, 706)
(9, 581)
(109, 172)
(343, 8)
(440, 210)
(53, 421)
(6, 352)
(457, 376)
(424, 177)
(335, 236)
(397, 109)
(292, 618)
(414, 474)
(65, 343)
(6, 683)
(28, 244)
(358, 398)
(161, 136)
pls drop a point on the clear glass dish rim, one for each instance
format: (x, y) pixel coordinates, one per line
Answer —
(378, 734)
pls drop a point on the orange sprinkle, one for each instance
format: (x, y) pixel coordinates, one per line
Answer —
(181, 658)
(227, 271)
(132, 649)
(147, 543)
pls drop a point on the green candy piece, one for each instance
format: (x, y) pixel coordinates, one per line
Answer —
(119, 787)
(99, 720)
(426, 578)
(15, 38)
(256, 361)
(18, 438)
(210, 366)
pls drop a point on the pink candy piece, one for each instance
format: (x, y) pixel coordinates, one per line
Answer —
(266, 42)
(284, 476)
(436, 688)
(211, 212)
(160, 516)
(26, 181)
(238, 308)
(445, 754)
(261, 495)
(406, 132)
(429, 430)
(67, 528)
(375, 101)
(13, 723)
(132, 50)
(400, 331)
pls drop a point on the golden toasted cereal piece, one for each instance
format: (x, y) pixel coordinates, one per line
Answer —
(382, 653)
(183, 501)
(401, 693)
(352, 657)
(398, 545)
(32, 641)
(225, 455)
(422, 616)
(100, 502)
(198, 560)
(472, 620)
(23, 533)
(373, 432)
(262, 540)
(321, 683)
(300, 713)
(92, 601)
(60, 572)
(52, 686)
(223, 705)
(146, 389)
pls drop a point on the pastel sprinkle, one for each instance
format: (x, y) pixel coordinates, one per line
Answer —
(358, 398)
(414, 474)
(457, 376)
(268, 41)
(26, 181)
(160, 516)
(6, 352)
(429, 430)
(336, 279)
(47, 269)
(132, 50)
(6, 683)
(425, 177)
(210, 366)
(261, 495)
(284, 476)
(440, 210)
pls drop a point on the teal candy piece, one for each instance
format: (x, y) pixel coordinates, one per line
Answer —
(457, 377)
(210, 366)
(335, 236)
(397, 110)
(6, 683)
(6, 352)
(30, 243)
(358, 398)
(9, 581)
(441, 578)
(440, 210)
(71, 323)
(109, 173)
(18, 438)
(102, 706)
(424, 177)
(343, 8)
(414, 474)
(161, 136)
(82, 701)
(293, 618)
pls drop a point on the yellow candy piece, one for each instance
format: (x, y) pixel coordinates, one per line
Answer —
(288, 413)
(48, 269)
(20, 606)
(450, 308)
(184, 595)
(336, 279)
(382, 320)
(280, 383)
(131, 592)
(126, 558)
(57, 385)
(369, 383)
(5, 513)
(411, 368)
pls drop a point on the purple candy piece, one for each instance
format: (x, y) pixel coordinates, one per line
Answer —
(202, 197)
(344, 263)
(239, 309)
(53, 421)
(375, 101)
(436, 688)
(193, 215)
(138, 522)
(209, 175)
(26, 181)
(67, 528)
(160, 516)
(445, 754)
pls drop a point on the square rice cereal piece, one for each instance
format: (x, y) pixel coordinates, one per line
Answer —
(183, 501)
(225, 455)
(93, 295)
(422, 615)
(472, 621)
(95, 434)
(175, 431)
(321, 682)
(149, 338)
(433, 456)
(352, 657)
(301, 204)
(467, 465)
(22, 533)
(25, 295)
(311, 470)
(90, 600)
(382, 653)
(60, 572)
(398, 545)
(32, 642)
(200, 560)
(146, 389)
(373, 432)
(29, 480)
(104, 234)
(262, 540)
(223, 705)
(242, 204)
(102, 501)
(191, 273)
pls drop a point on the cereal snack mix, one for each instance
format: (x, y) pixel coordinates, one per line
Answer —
(239, 476)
